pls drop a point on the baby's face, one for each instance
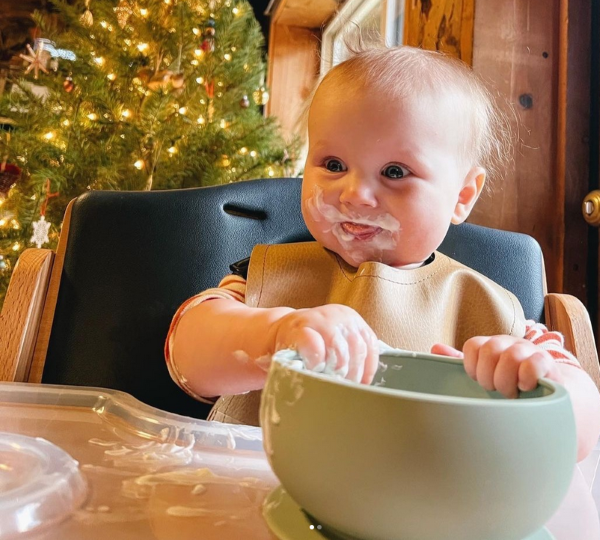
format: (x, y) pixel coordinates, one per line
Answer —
(383, 180)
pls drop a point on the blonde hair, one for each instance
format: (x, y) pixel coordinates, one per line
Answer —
(405, 72)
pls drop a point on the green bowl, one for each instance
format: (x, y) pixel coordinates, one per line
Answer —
(424, 454)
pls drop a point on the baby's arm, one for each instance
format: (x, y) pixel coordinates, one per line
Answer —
(509, 364)
(221, 346)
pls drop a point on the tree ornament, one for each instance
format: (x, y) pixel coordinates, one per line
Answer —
(159, 80)
(123, 11)
(261, 96)
(68, 85)
(210, 89)
(177, 81)
(38, 59)
(87, 19)
(244, 102)
(208, 44)
(40, 232)
(9, 176)
(42, 227)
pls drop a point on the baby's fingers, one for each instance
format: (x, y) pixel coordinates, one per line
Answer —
(310, 346)
(538, 365)
(446, 350)
(358, 350)
(372, 359)
(471, 351)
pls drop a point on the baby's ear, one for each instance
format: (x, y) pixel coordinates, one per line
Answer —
(472, 186)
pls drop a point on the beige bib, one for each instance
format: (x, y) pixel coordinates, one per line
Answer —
(441, 302)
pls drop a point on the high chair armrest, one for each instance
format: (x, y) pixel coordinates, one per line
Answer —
(21, 313)
(569, 316)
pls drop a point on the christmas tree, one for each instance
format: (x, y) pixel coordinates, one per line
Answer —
(134, 95)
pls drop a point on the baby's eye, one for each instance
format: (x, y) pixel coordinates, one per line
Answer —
(334, 165)
(395, 171)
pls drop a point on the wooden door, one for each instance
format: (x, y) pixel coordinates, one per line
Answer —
(537, 54)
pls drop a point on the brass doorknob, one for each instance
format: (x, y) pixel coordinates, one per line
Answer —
(591, 208)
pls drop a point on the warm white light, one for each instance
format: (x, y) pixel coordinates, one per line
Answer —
(182, 110)
(270, 172)
(227, 57)
(111, 76)
(103, 24)
(194, 62)
(127, 41)
(220, 83)
(235, 11)
(139, 164)
(172, 150)
(201, 120)
(142, 47)
(92, 116)
(198, 52)
(223, 123)
(99, 61)
(199, 80)
(126, 113)
(243, 150)
(16, 246)
(66, 123)
(253, 153)
(144, 12)
(48, 136)
(196, 31)
(2, 221)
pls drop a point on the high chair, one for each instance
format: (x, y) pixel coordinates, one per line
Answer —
(96, 312)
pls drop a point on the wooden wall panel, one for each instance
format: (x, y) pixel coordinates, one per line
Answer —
(443, 26)
(293, 70)
(516, 50)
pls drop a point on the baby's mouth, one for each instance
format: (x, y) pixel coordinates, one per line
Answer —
(359, 230)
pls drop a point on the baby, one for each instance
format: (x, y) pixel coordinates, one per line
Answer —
(400, 142)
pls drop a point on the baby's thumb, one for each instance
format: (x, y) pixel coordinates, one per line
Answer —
(446, 350)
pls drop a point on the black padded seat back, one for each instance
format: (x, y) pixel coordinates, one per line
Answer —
(133, 258)
(511, 259)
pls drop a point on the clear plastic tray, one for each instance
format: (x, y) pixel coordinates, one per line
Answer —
(149, 474)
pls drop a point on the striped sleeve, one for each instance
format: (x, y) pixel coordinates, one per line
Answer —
(550, 341)
(232, 287)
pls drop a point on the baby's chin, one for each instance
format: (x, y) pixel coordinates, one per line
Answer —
(355, 257)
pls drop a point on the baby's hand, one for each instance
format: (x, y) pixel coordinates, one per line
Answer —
(504, 363)
(329, 338)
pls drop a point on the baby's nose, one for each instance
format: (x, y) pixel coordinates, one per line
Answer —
(358, 191)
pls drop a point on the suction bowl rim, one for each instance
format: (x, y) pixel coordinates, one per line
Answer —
(557, 391)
